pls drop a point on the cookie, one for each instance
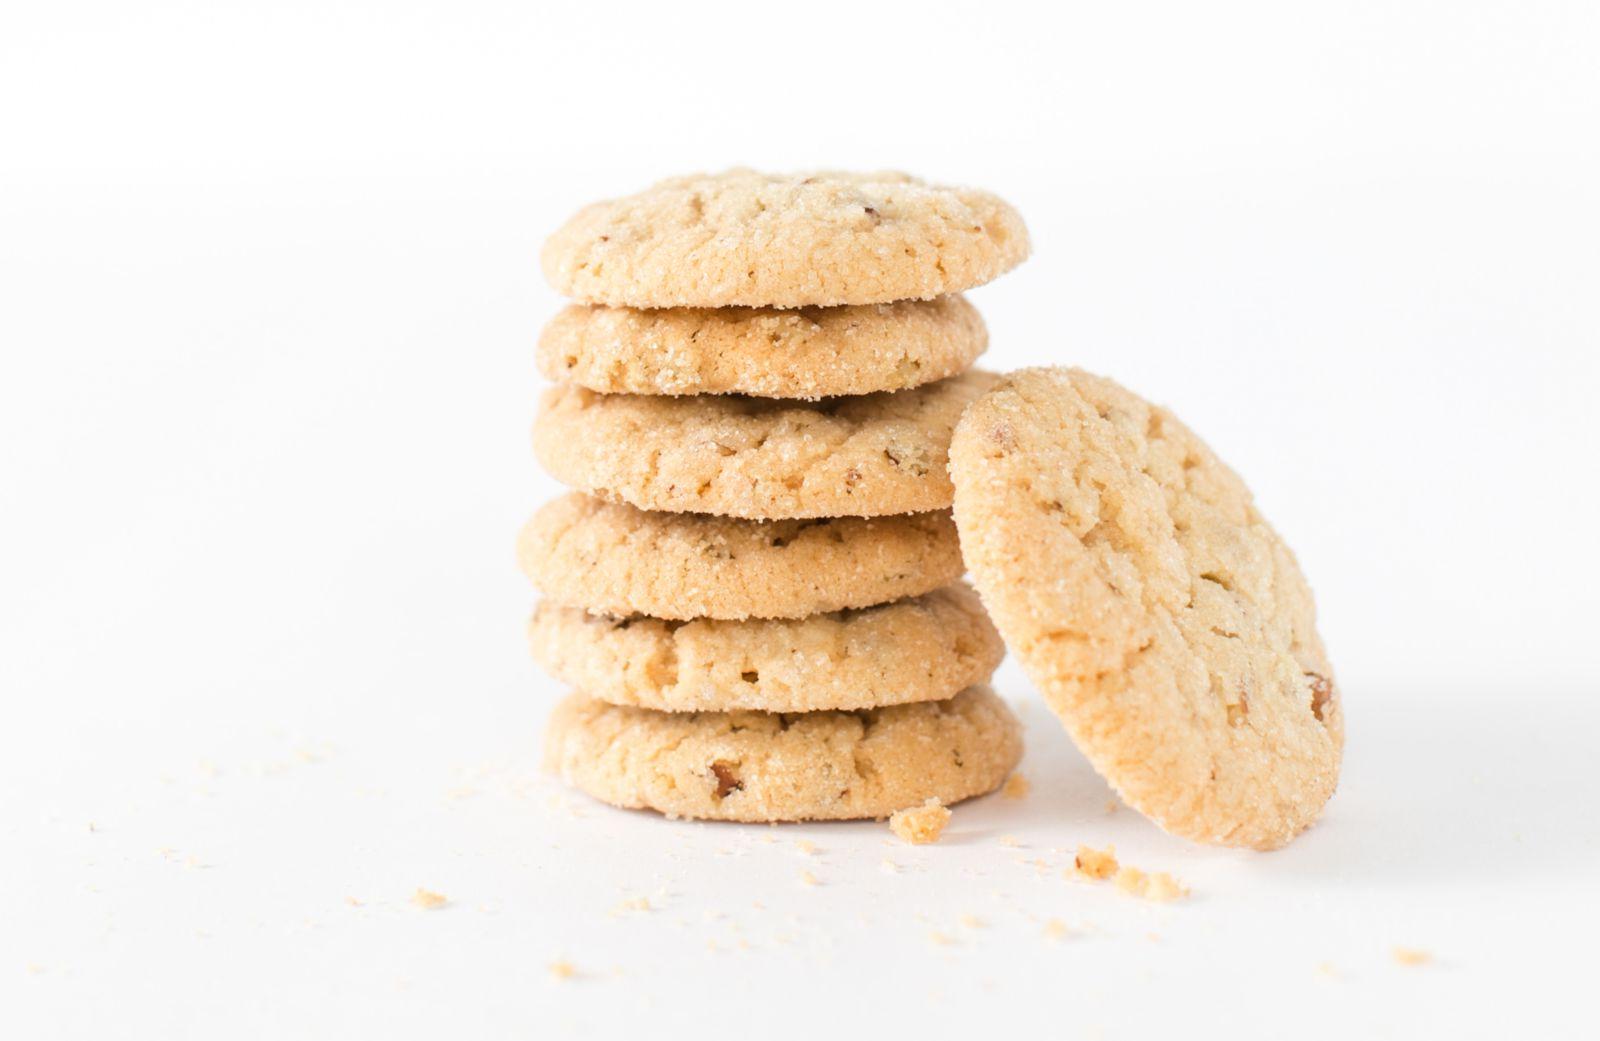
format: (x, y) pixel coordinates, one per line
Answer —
(1162, 618)
(747, 239)
(768, 766)
(613, 559)
(927, 648)
(866, 456)
(810, 353)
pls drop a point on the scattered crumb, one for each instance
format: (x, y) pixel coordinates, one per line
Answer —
(1102, 864)
(972, 921)
(1162, 887)
(1096, 863)
(941, 939)
(1055, 929)
(808, 848)
(889, 867)
(920, 825)
(1411, 956)
(638, 903)
(428, 900)
(1326, 969)
(808, 879)
(1112, 806)
(1159, 886)
(562, 970)
(352, 901)
(1010, 840)
(1016, 786)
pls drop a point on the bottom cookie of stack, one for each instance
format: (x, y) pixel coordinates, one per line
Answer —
(765, 766)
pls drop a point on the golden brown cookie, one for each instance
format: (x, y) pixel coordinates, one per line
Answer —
(866, 456)
(926, 648)
(1162, 618)
(746, 239)
(809, 353)
(767, 766)
(613, 559)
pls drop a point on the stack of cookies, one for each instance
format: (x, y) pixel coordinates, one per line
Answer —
(755, 590)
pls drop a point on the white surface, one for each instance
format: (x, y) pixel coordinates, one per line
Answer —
(269, 295)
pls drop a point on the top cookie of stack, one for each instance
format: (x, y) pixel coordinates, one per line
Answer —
(748, 349)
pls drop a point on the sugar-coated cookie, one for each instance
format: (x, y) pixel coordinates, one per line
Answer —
(747, 239)
(866, 456)
(614, 559)
(766, 766)
(809, 353)
(1162, 618)
(925, 648)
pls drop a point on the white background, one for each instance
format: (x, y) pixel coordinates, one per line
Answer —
(268, 297)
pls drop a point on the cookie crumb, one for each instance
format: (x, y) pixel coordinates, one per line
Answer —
(1096, 863)
(808, 879)
(640, 903)
(562, 970)
(428, 900)
(972, 921)
(920, 825)
(889, 867)
(1010, 840)
(941, 939)
(1411, 956)
(1016, 786)
(1163, 887)
(808, 848)
(1055, 929)
(1112, 806)
(1158, 886)
(352, 901)
(1130, 880)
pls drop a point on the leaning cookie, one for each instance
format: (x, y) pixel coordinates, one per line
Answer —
(1162, 618)
(867, 456)
(810, 353)
(611, 558)
(746, 239)
(926, 648)
(761, 766)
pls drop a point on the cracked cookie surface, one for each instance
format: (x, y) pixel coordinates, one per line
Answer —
(765, 766)
(926, 648)
(747, 239)
(614, 559)
(864, 456)
(809, 353)
(1162, 618)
